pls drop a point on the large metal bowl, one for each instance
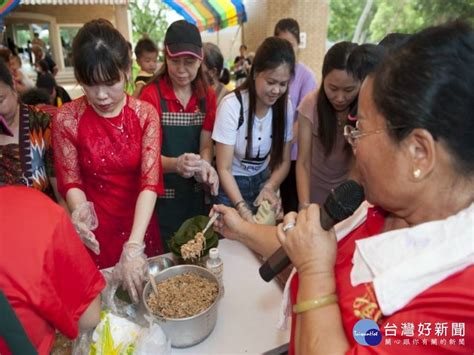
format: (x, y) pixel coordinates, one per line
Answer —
(185, 332)
(159, 263)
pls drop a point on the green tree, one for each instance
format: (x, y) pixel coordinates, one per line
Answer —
(148, 18)
(343, 17)
(388, 16)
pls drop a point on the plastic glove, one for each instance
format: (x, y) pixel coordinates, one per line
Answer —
(188, 164)
(132, 269)
(208, 175)
(85, 221)
(269, 194)
(265, 214)
(244, 211)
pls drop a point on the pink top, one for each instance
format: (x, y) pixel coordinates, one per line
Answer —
(326, 172)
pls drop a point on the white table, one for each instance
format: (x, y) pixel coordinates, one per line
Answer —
(248, 313)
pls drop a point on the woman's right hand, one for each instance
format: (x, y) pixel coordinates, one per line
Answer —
(85, 221)
(229, 222)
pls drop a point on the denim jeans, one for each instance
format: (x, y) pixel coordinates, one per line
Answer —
(249, 187)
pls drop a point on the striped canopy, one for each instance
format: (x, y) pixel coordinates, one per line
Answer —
(210, 15)
(6, 6)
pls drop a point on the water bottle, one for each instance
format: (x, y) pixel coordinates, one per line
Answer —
(215, 265)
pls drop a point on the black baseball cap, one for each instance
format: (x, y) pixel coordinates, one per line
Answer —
(183, 38)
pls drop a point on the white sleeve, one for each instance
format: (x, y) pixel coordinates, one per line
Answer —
(290, 116)
(27, 81)
(227, 119)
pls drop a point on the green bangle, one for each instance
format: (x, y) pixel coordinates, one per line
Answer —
(314, 303)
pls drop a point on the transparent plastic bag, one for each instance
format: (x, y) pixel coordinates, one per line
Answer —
(152, 340)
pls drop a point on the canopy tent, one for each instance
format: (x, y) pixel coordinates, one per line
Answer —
(6, 6)
(210, 15)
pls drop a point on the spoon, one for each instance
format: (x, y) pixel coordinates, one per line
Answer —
(211, 222)
(153, 285)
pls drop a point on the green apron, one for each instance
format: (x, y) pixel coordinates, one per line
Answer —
(183, 198)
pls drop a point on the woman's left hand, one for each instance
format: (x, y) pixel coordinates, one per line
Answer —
(208, 175)
(132, 269)
(311, 249)
(269, 194)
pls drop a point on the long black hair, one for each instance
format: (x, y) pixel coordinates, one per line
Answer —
(336, 58)
(272, 53)
(100, 54)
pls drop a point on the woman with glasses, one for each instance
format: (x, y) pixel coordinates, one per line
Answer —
(324, 157)
(399, 278)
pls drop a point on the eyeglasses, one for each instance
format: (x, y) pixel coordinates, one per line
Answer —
(352, 134)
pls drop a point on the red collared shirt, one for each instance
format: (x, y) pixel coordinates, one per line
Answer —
(424, 326)
(150, 94)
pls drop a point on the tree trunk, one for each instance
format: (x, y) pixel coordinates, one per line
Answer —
(362, 19)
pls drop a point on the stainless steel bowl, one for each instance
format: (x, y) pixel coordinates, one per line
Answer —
(158, 264)
(185, 332)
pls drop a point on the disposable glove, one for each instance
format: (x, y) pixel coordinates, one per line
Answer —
(132, 269)
(208, 175)
(85, 221)
(269, 194)
(188, 164)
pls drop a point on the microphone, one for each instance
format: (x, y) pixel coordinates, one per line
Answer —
(341, 203)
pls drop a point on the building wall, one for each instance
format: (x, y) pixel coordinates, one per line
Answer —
(71, 14)
(312, 16)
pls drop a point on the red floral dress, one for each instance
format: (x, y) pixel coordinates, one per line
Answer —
(112, 160)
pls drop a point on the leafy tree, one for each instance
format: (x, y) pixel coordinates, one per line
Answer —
(343, 17)
(148, 18)
(386, 16)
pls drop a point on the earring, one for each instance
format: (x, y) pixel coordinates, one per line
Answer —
(416, 173)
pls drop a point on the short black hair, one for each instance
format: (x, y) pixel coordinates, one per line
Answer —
(5, 74)
(427, 84)
(35, 96)
(43, 64)
(394, 41)
(145, 45)
(100, 54)
(288, 25)
(47, 82)
(364, 59)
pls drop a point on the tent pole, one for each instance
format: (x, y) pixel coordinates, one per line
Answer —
(243, 32)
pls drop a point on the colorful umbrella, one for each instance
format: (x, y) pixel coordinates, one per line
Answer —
(6, 6)
(210, 15)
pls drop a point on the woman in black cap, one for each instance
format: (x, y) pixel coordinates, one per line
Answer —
(187, 108)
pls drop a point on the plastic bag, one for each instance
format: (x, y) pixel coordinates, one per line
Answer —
(114, 336)
(152, 341)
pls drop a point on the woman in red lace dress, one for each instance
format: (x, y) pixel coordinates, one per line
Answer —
(107, 156)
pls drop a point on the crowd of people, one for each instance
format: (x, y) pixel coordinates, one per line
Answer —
(118, 171)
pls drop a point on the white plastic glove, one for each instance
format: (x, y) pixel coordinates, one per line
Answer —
(244, 211)
(132, 269)
(85, 221)
(188, 164)
(269, 194)
(208, 175)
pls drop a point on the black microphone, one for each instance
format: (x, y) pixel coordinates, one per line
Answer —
(341, 203)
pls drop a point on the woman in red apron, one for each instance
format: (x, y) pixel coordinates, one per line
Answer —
(107, 156)
(187, 107)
